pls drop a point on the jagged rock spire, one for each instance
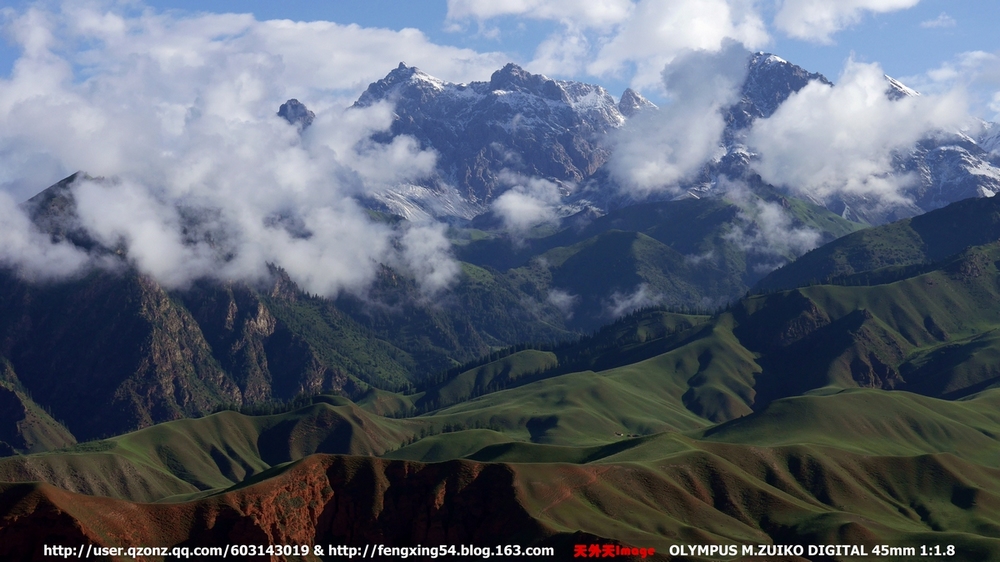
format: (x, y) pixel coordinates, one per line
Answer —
(296, 113)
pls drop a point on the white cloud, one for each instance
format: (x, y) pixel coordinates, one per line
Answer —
(123, 213)
(827, 140)
(943, 20)
(623, 303)
(324, 56)
(670, 144)
(305, 59)
(345, 137)
(564, 301)
(599, 13)
(765, 230)
(427, 254)
(563, 52)
(521, 210)
(658, 31)
(205, 179)
(32, 252)
(614, 36)
(528, 203)
(975, 72)
(817, 20)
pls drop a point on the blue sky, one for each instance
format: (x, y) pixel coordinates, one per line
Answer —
(908, 38)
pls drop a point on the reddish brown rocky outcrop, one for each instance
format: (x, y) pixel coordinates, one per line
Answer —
(320, 500)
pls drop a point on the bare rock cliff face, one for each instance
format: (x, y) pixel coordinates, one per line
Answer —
(108, 353)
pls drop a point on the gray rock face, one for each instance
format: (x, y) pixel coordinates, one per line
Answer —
(989, 137)
(535, 126)
(632, 102)
(770, 81)
(949, 169)
(520, 122)
(296, 113)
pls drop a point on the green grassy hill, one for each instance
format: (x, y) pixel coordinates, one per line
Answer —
(190, 456)
(862, 412)
(24, 425)
(685, 252)
(863, 467)
(120, 344)
(919, 240)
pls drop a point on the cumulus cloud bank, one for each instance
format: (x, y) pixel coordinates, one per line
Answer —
(668, 145)
(832, 140)
(606, 38)
(203, 179)
(178, 112)
(817, 20)
(658, 32)
(975, 72)
(571, 12)
(639, 37)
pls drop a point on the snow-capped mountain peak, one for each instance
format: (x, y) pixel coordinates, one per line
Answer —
(989, 137)
(401, 81)
(490, 135)
(513, 78)
(770, 80)
(898, 90)
(517, 123)
(632, 102)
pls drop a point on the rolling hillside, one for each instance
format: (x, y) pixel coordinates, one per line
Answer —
(920, 240)
(829, 414)
(141, 354)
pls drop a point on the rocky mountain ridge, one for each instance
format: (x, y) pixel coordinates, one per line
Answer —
(491, 135)
(486, 132)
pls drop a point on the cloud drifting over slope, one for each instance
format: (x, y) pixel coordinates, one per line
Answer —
(765, 230)
(828, 140)
(528, 203)
(32, 252)
(204, 180)
(668, 145)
